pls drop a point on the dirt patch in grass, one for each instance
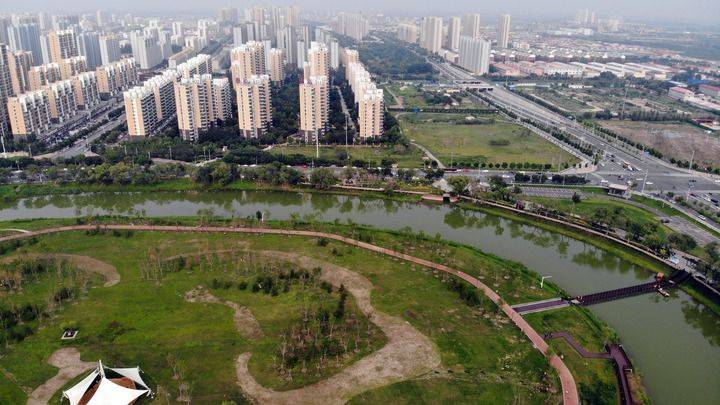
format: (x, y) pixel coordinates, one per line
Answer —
(245, 321)
(408, 354)
(70, 366)
(85, 263)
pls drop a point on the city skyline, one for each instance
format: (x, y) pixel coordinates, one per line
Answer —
(667, 11)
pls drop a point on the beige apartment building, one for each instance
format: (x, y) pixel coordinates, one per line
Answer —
(29, 113)
(140, 111)
(163, 89)
(20, 63)
(276, 69)
(197, 65)
(371, 114)
(41, 76)
(200, 103)
(254, 107)
(318, 61)
(85, 89)
(61, 100)
(314, 114)
(247, 60)
(63, 45)
(72, 66)
(348, 57)
(116, 77)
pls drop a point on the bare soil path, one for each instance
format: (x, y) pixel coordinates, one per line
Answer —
(407, 354)
(70, 366)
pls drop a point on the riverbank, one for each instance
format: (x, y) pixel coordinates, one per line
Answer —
(10, 193)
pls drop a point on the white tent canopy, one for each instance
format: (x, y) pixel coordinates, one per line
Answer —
(108, 392)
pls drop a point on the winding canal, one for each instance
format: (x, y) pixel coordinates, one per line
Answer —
(674, 341)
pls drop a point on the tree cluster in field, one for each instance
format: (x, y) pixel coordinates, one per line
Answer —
(391, 59)
(328, 334)
(271, 282)
(20, 321)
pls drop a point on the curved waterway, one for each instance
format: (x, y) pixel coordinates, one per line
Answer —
(674, 341)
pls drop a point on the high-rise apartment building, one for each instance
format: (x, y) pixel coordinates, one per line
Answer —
(5, 89)
(89, 46)
(471, 25)
(276, 67)
(318, 61)
(431, 35)
(254, 106)
(408, 32)
(334, 48)
(85, 89)
(25, 37)
(452, 41)
(238, 37)
(146, 49)
(20, 63)
(355, 26)
(287, 42)
(314, 111)
(109, 49)
(503, 34)
(163, 89)
(197, 65)
(41, 76)
(247, 60)
(116, 77)
(474, 54)
(200, 103)
(61, 100)
(29, 113)
(63, 45)
(371, 113)
(140, 111)
(71, 66)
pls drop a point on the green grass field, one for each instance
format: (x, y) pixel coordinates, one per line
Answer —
(489, 142)
(145, 320)
(411, 157)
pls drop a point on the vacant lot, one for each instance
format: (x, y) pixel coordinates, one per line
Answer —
(416, 95)
(565, 100)
(411, 157)
(677, 140)
(452, 137)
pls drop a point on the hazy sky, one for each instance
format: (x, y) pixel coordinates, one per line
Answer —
(705, 11)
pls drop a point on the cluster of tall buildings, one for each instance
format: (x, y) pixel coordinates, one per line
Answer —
(353, 25)
(315, 93)
(367, 97)
(458, 39)
(188, 92)
(252, 85)
(33, 97)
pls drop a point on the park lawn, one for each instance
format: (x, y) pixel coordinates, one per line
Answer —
(410, 95)
(412, 158)
(148, 323)
(489, 142)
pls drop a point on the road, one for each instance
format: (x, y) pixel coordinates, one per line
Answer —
(661, 175)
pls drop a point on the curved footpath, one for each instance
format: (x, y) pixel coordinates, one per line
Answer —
(570, 393)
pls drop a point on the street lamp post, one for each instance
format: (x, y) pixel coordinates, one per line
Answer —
(542, 281)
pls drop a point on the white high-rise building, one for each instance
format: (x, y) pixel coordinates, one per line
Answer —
(5, 89)
(25, 37)
(474, 54)
(318, 61)
(238, 36)
(146, 50)
(503, 34)
(471, 25)
(431, 35)
(29, 113)
(408, 32)
(109, 49)
(89, 47)
(453, 34)
(334, 54)
(254, 106)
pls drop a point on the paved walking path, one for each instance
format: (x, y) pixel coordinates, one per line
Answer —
(570, 393)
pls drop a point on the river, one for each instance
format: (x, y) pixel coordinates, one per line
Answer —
(674, 342)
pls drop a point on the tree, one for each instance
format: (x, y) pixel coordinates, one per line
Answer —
(681, 241)
(323, 178)
(458, 184)
(576, 198)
